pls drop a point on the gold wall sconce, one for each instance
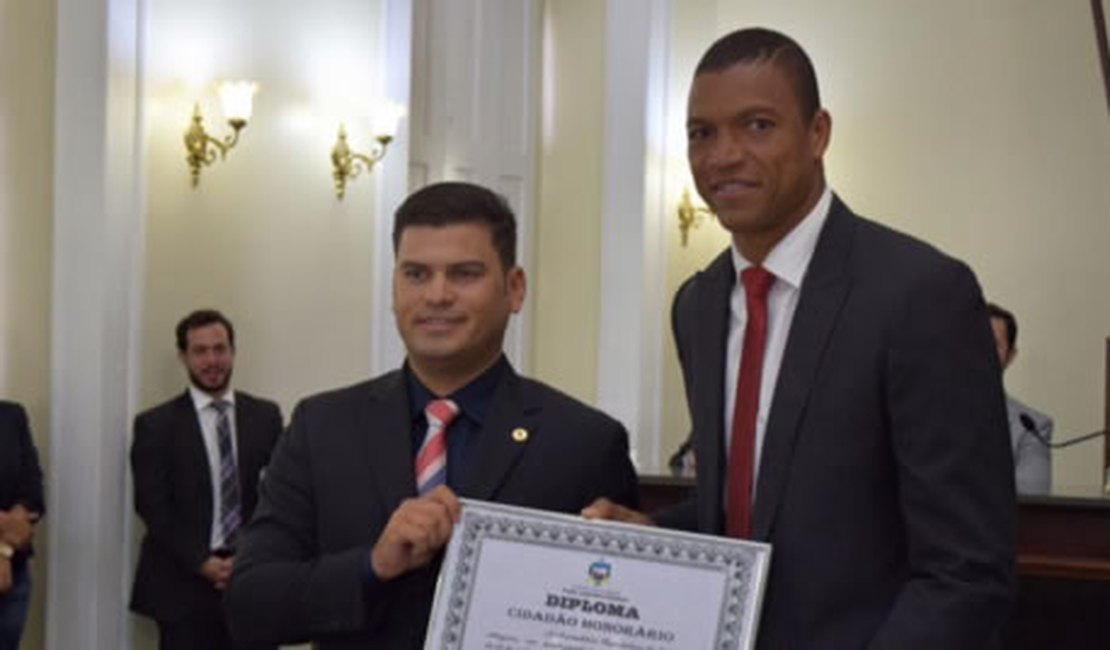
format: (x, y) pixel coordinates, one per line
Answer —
(236, 97)
(347, 164)
(690, 215)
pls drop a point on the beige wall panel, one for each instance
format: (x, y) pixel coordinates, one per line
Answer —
(565, 288)
(26, 217)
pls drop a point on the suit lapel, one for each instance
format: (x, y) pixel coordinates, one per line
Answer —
(824, 289)
(191, 441)
(249, 446)
(497, 451)
(383, 425)
(708, 351)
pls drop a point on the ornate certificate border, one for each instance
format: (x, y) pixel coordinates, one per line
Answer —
(744, 564)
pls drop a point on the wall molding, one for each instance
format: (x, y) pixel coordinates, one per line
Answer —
(392, 178)
(97, 267)
(633, 259)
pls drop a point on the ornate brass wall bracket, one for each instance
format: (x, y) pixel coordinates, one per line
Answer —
(202, 148)
(690, 215)
(347, 164)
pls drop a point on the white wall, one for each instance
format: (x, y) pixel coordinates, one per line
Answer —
(263, 237)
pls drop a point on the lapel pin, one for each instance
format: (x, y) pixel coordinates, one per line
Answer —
(520, 435)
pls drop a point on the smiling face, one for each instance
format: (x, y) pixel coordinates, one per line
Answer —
(209, 358)
(452, 299)
(755, 156)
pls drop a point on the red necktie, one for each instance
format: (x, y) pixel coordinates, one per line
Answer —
(741, 459)
(431, 459)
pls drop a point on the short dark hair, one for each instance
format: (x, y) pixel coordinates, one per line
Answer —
(201, 318)
(759, 45)
(1008, 319)
(444, 204)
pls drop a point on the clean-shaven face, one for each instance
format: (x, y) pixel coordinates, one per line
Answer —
(452, 298)
(755, 158)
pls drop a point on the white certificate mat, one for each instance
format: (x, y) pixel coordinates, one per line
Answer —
(515, 578)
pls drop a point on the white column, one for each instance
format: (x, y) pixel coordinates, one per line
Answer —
(633, 309)
(98, 235)
(391, 173)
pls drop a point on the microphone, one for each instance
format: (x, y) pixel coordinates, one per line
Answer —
(1030, 426)
(678, 462)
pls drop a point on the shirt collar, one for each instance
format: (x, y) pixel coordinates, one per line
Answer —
(790, 257)
(201, 399)
(473, 399)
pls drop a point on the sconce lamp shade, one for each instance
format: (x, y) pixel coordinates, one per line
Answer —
(384, 118)
(237, 98)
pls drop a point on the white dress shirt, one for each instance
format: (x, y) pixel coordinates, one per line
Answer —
(207, 416)
(788, 261)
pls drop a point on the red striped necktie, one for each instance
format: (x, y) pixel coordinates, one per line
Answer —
(431, 459)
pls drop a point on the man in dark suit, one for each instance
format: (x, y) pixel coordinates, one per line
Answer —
(362, 492)
(842, 384)
(196, 461)
(21, 506)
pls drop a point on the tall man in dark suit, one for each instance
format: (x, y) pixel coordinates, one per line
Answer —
(196, 461)
(842, 385)
(362, 492)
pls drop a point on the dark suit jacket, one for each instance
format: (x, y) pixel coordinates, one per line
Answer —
(345, 466)
(20, 473)
(886, 482)
(173, 496)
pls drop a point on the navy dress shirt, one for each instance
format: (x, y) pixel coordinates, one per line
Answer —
(473, 401)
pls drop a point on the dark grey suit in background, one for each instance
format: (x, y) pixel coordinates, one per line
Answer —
(173, 496)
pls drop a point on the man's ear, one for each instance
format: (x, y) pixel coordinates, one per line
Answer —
(820, 133)
(517, 285)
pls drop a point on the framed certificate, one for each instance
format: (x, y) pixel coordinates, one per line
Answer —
(515, 578)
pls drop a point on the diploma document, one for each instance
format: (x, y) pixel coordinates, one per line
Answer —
(521, 579)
